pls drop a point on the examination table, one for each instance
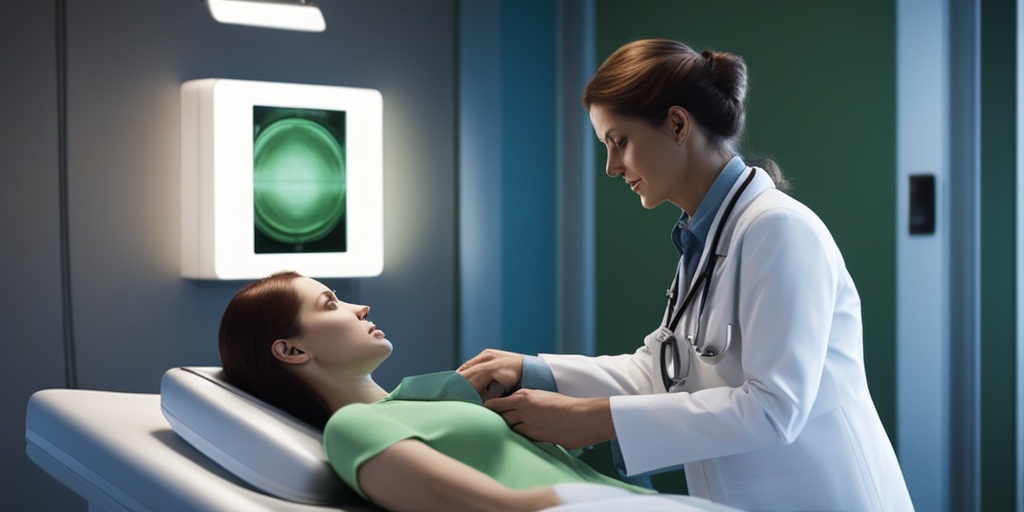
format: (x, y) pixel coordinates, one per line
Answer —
(202, 445)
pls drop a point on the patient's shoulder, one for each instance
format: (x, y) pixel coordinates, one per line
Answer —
(351, 414)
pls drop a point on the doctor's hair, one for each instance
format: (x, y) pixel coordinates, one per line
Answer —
(645, 78)
(260, 313)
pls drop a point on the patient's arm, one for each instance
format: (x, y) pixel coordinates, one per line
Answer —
(409, 475)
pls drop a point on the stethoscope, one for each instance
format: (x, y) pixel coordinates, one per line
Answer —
(666, 334)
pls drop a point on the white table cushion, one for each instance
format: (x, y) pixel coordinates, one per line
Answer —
(264, 446)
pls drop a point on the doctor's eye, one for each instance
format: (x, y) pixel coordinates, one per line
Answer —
(611, 143)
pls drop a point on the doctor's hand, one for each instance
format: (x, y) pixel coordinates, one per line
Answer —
(556, 418)
(493, 372)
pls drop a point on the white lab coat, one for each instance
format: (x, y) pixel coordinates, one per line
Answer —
(781, 418)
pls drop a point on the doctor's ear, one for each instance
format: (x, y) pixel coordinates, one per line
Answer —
(287, 352)
(679, 119)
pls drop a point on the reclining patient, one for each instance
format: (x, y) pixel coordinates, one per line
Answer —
(428, 445)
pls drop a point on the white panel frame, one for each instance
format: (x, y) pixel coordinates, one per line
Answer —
(217, 179)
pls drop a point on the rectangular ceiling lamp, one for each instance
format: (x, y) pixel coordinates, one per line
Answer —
(283, 14)
(279, 176)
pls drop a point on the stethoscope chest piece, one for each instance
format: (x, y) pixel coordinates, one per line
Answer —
(669, 353)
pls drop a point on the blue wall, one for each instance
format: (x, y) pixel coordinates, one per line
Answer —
(508, 176)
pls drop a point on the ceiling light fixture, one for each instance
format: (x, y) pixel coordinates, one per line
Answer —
(301, 15)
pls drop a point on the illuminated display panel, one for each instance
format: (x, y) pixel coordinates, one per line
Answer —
(280, 176)
(298, 180)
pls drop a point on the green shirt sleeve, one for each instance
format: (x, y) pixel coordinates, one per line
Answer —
(357, 433)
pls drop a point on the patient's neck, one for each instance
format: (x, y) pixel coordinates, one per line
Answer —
(341, 390)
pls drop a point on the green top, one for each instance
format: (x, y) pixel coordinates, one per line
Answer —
(445, 412)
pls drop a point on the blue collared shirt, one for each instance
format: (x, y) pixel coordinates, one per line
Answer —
(699, 224)
(537, 374)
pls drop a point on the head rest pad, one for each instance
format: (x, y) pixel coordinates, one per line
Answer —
(261, 444)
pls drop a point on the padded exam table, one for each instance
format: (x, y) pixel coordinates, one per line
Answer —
(202, 445)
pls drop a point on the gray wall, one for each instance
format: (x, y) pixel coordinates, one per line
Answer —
(132, 314)
(30, 293)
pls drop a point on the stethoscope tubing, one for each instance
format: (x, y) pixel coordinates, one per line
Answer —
(703, 283)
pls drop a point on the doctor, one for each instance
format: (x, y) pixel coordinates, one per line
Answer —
(755, 378)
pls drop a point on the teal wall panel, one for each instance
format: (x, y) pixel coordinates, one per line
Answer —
(528, 178)
(507, 176)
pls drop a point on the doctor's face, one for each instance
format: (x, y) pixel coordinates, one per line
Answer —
(645, 155)
(337, 334)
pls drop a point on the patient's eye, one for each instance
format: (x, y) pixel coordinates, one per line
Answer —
(332, 300)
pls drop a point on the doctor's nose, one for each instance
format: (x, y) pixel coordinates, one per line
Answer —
(613, 168)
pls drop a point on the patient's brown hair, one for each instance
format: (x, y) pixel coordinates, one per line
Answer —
(262, 312)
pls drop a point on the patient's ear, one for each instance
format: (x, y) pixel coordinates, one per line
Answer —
(286, 352)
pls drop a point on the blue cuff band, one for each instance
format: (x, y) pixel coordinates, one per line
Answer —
(537, 374)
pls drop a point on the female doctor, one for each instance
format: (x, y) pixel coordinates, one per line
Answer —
(755, 378)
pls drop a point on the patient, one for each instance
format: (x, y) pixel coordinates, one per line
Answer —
(288, 340)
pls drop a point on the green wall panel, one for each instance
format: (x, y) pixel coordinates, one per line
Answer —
(998, 241)
(821, 102)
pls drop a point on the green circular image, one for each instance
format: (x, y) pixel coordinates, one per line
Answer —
(298, 181)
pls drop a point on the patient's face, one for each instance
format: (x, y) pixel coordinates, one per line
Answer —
(337, 334)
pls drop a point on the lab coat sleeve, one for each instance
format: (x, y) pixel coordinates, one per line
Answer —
(789, 272)
(583, 376)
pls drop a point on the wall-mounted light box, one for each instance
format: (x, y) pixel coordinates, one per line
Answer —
(280, 176)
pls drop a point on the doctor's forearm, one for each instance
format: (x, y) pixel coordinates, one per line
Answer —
(583, 422)
(596, 414)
